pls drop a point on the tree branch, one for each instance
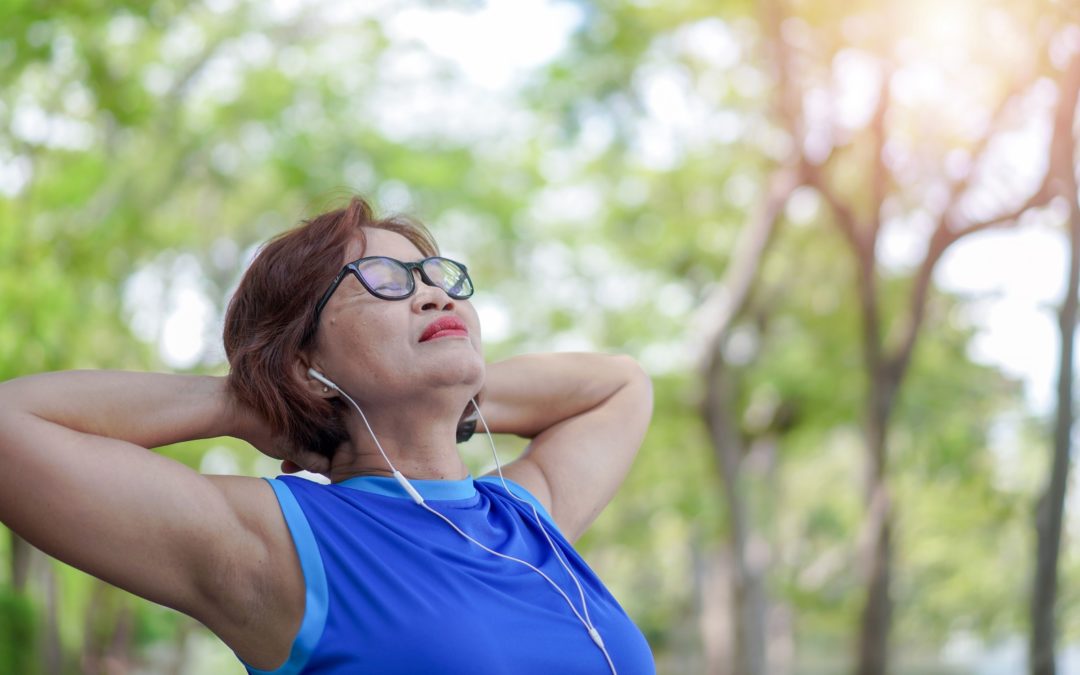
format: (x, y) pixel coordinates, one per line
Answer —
(844, 217)
(1059, 177)
(880, 179)
(786, 104)
(729, 300)
(978, 152)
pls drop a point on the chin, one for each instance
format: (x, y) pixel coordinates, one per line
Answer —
(474, 373)
(466, 371)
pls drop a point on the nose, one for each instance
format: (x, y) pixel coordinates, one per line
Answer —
(428, 297)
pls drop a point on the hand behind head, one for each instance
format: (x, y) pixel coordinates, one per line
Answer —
(309, 461)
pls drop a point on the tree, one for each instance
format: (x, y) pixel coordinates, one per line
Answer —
(1051, 504)
(886, 361)
(657, 172)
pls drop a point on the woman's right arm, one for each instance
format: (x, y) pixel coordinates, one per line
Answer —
(77, 480)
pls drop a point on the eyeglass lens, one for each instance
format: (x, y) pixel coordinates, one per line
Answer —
(391, 278)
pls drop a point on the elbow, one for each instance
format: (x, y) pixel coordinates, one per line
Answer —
(637, 385)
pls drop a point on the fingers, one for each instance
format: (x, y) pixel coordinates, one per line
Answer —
(287, 466)
(307, 461)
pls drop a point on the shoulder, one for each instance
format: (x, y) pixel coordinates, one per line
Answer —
(255, 590)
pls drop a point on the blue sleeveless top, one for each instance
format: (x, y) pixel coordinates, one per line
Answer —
(392, 589)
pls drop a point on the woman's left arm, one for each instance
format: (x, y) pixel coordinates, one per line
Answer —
(586, 415)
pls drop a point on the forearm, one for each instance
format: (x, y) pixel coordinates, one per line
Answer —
(527, 394)
(147, 409)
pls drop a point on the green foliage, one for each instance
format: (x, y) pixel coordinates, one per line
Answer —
(18, 631)
(640, 541)
(196, 133)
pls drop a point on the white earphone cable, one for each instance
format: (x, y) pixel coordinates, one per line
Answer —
(536, 515)
(586, 620)
(595, 634)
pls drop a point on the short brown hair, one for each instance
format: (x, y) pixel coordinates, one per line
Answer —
(270, 320)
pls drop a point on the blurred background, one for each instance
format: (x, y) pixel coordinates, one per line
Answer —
(843, 238)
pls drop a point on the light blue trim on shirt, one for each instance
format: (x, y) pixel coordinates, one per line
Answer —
(441, 489)
(524, 494)
(316, 599)
(428, 489)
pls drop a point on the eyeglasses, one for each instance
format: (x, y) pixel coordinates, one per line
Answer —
(392, 279)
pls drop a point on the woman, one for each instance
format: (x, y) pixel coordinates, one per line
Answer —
(353, 352)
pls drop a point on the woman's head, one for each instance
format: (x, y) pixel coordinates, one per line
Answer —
(361, 342)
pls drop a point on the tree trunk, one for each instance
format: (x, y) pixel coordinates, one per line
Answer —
(714, 587)
(748, 595)
(21, 553)
(876, 538)
(52, 653)
(1050, 510)
(720, 312)
(875, 545)
(118, 651)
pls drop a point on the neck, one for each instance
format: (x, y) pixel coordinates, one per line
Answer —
(421, 446)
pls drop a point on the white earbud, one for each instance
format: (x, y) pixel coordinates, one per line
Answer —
(404, 482)
(322, 378)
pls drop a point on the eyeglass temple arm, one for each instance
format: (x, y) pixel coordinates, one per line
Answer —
(330, 291)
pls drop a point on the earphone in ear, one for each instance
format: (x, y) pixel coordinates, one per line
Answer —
(322, 378)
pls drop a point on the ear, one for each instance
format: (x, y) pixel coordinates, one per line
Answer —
(313, 386)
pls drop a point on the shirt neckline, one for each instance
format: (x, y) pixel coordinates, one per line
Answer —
(428, 488)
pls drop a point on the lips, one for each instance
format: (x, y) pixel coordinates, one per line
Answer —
(450, 325)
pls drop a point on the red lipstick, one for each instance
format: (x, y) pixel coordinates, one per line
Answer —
(445, 326)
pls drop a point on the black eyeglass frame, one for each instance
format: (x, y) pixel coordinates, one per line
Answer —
(409, 267)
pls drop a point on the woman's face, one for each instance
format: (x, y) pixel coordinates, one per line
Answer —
(372, 347)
